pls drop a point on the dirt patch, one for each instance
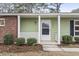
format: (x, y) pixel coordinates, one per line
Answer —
(23, 48)
(41, 53)
(73, 45)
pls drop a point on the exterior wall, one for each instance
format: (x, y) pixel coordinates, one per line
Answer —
(65, 26)
(29, 25)
(29, 28)
(54, 29)
(10, 26)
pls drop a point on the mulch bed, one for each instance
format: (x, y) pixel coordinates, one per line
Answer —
(73, 45)
(23, 48)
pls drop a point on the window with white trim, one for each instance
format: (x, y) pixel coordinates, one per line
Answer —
(45, 29)
(76, 27)
(2, 21)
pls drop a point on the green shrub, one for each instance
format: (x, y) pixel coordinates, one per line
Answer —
(20, 41)
(31, 41)
(67, 39)
(76, 39)
(8, 39)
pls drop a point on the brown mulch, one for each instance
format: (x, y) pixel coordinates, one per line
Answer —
(23, 48)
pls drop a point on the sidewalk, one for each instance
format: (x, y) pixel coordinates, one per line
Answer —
(57, 48)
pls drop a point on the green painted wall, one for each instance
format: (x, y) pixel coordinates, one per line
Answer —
(53, 29)
(65, 26)
(29, 25)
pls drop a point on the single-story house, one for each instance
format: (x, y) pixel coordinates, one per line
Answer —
(46, 28)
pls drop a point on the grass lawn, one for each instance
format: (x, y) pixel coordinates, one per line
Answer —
(41, 53)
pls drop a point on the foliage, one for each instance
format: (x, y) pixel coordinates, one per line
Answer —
(8, 39)
(31, 41)
(29, 7)
(76, 39)
(67, 39)
(20, 41)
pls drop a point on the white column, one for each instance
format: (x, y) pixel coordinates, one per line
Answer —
(39, 20)
(18, 26)
(58, 29)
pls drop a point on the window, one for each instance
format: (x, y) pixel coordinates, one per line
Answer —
(76, 22)
(76, 33)
(45, 29)
(2, 22)
(76, 27)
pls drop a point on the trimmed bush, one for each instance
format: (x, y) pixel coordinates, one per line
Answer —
(8, 39)
(31, 41)
(67, 39)
(76, 39)
(20, 41)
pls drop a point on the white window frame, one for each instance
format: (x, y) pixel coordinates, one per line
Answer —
(3, 20)
(74, 28)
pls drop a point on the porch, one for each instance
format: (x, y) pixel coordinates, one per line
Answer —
(34, 26)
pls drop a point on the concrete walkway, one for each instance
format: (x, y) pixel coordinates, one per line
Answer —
(51, 47)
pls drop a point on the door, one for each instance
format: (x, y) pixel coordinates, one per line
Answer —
(45, 29)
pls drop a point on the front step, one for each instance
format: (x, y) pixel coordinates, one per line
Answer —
(50, 46)
(47, 42)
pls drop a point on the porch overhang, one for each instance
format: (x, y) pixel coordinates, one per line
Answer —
(41, 14)
(62, 13)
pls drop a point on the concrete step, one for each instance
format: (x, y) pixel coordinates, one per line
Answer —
(48, 42)
(51, 47)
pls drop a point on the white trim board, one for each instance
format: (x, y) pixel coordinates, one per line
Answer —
(63, 13)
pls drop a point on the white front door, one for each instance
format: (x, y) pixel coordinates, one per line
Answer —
(45, 29)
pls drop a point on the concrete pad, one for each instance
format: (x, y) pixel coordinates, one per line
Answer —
(50, 46)
(52, 49)
(71, 49)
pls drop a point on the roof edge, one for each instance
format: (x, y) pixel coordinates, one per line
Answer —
(63, 13)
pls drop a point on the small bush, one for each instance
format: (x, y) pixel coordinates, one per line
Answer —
(67, 39)
(76, 39)
(31, 41)
(8, 39)
(20, 41)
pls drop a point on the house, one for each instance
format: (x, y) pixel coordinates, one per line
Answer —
(47, 28)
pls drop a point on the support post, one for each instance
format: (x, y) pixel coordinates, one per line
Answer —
(39, 20)
(59, 29)
(18, 26)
